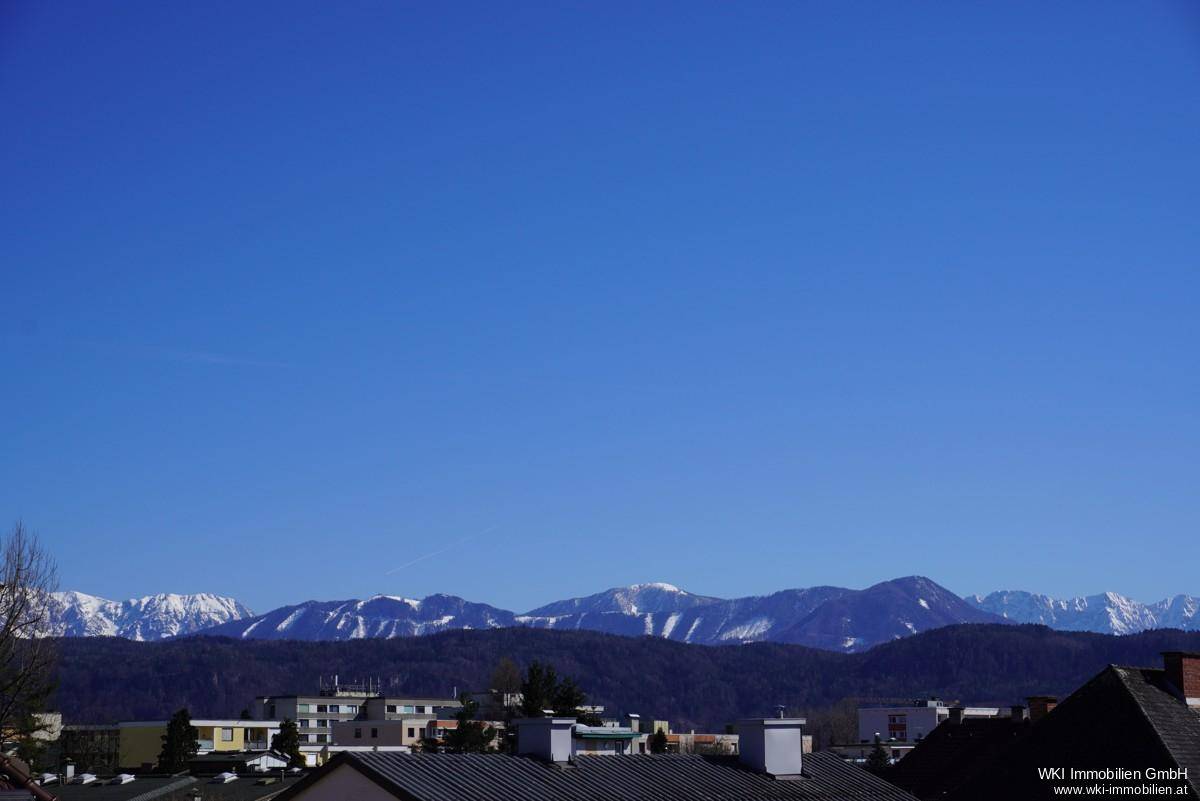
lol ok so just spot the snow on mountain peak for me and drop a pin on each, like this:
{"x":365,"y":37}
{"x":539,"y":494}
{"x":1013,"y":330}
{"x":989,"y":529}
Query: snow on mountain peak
{"x":1107,"y":613}
{"x":656,"y":585}
{"x":151,"y":617}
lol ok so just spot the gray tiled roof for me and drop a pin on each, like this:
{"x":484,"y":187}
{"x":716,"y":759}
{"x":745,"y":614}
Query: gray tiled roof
{"x":500,"y":777}
{"x":1176,"y":724}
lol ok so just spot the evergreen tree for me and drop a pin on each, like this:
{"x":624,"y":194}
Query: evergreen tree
{"x":538,"y":690}
{"x":542,"y":690}
{"x":469,"y":736}
{"x":658,"y":742}
{"x":179,"y":743}
{"x":878,"y":760}
{"x":287,"y":743}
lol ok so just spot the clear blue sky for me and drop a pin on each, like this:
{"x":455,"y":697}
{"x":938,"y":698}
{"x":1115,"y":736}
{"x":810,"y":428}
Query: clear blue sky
{"x":740,"y":296}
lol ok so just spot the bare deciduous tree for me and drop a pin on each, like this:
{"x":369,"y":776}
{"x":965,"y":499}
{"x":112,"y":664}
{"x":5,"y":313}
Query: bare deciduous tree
{"x":27,"y":655}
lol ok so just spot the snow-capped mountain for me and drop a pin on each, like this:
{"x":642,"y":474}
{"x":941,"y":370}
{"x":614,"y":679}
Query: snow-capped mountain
{"x":383,"y":616}
{"x":663,"y":610}
{"x":833,"y":618}
{"x":153,"y":617}
{"x":1107,"y":613}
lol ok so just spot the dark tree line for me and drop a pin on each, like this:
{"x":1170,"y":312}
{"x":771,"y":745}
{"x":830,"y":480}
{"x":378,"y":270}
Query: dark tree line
{"x":703,"y":687}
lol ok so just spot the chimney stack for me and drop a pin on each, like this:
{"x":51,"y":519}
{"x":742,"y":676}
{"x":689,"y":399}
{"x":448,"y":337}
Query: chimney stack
{"x":1183,"y":671}
{"x":956,"y":715}
{"x":1018,"y":712}
{"x":1040,"y":706}
{"x":547,"y":739}
{"x":774,"y":746}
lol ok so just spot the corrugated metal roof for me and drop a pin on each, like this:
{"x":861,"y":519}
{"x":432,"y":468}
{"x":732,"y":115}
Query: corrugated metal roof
{"x":657,"y":777}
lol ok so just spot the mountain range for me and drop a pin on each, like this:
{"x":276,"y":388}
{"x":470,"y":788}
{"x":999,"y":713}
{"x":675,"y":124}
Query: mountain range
{"x":830,"y":618}
{"x":1107,"y":613}
{"x":153,"y":617}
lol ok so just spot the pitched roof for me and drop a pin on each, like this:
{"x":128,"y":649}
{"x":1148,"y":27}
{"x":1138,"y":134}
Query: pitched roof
{"x":954,"y":754}
{"x":502,"y":777}
{"x":1123,"y":717}
{"x":1175,"y":723}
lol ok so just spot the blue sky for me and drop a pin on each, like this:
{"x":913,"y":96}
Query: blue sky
{"x":520,"y":301}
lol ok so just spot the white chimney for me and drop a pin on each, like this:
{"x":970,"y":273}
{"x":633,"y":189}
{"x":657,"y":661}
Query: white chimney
{"x":774,"y":746}
{"x":548,"y":739}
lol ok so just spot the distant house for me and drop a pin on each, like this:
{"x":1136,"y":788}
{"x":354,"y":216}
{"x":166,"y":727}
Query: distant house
{"x":771,"y":767}
{"x":1134,"y":727}
{"x":336,"y":703}
{"x":911,"y":723}
{"x":141,"y":741}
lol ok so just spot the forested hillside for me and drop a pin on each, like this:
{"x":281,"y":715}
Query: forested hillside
{"x":107,"y":679}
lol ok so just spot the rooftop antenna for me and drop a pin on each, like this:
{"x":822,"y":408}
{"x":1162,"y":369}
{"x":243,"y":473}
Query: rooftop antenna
{"x":779,"y":708}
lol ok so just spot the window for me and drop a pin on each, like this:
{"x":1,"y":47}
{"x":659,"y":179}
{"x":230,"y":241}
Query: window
{"x":299,"y":708}
{"x":227,"y":735}
{"x":322,"y":738}
{"x":391,"y":708}
{"x":411,"y":732}
{"x":408,"y":708}
{"x":333,"y":708}
{"x":351,"y":708}
{"x":374,"y":733}
{"x":304,"y":723}
{"x":322,"y":724}
{"x":321,"y":708}
{"x":358,"y":734}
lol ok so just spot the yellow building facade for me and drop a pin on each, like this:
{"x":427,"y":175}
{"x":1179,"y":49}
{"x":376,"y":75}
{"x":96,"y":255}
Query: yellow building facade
{"x":141,"y":741}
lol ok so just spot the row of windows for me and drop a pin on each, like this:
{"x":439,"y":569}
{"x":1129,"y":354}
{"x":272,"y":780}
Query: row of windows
{"x":394,"y":709}
{"x":332,"y":709}
{"x":318,"y":738}
{"x":358,"y":733}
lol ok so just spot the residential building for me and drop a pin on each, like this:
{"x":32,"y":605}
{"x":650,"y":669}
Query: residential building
{"x":912,"y":722}
{"x":406,"y":732}
{"x":437,"y":729}
{"x":693,"y":743}
{"x":603,"y":740}
{"x":1137,"y":729}
{"x":335,"y":702}
{"x":141,"y":741}
{"x":771,"y":767}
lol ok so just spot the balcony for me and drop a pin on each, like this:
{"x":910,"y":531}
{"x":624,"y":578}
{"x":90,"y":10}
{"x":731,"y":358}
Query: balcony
{"x":256,"y":745}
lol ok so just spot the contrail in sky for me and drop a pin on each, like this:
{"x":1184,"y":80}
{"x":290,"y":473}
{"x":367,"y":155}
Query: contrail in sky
{"x":431,"y":554}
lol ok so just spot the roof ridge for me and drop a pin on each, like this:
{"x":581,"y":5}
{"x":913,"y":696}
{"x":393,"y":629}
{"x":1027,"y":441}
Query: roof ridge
{"x":1158,"y":733}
